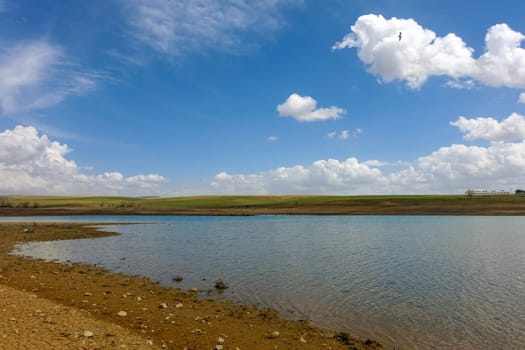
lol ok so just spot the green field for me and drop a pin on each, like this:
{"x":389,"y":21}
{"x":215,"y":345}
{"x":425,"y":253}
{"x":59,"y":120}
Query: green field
{"x":212,"y":201}
{"x":253,"y":205}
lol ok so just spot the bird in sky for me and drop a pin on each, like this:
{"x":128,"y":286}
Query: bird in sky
{"x":400,"y":36}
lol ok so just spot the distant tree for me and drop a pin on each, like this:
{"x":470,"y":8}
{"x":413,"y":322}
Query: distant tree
{"x":520,"y":192}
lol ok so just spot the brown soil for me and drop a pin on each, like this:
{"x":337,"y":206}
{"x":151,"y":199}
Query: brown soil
{"x":49,"y":305}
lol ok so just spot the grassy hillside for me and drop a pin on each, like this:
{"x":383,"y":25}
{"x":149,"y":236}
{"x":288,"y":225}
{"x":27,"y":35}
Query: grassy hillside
{"x":252,"y":205}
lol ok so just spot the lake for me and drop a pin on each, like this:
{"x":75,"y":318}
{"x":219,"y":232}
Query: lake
{"x":413,"y":282}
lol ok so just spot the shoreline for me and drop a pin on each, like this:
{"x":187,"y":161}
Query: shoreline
{"x":166,"y":317}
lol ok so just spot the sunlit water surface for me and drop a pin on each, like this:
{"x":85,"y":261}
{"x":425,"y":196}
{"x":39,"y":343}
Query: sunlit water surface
{"x":409,"y":282}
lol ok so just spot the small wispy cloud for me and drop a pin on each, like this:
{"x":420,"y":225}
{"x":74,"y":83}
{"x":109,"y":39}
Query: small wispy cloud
{"x":272,"y":138}
{"x":345,"y":134}
{"x":304,"y":109}
{"x":177,"y":27}
{"x":37,"y":74}
{"x":521,"y":99}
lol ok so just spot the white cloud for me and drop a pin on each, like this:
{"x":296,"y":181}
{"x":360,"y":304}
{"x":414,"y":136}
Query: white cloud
{"x":511,"y":128}
{"x":304,"y":109}
{"x":272,"y":138}
{"x":420,"y":54}
{"x":36,"y":74}
{"x":451,"y":169}
{"x":345,"y":134}
{"x":176,"y":27}
{"x":32,"y":164}
{"x":323,"y":176}
{"x":521,"y":99}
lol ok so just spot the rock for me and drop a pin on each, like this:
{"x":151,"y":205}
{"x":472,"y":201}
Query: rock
{"x":122,"y":313}
{"x":163,"y":306}
{"x":139,"y":299}
{"x":302,"y":340}
{"x":88,"y":334}
{"x":177,"y":278}
{"x":218,"y":347}
{"x":197,"y":331}
{"x":220,"y":284}
{"x":220,"y":340}
{"x":87,"y":294}
{"x":274,"y":335}
{"x":196,"y":290}
{"x":179,"y":306}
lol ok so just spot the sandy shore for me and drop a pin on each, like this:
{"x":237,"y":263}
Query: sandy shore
{"x":49,"y":305}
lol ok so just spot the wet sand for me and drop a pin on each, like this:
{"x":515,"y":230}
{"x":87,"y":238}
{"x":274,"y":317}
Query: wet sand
{"x":50,"y":305}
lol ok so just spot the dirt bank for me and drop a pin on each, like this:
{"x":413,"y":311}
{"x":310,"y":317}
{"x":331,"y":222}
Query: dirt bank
{"x":128,"y":311}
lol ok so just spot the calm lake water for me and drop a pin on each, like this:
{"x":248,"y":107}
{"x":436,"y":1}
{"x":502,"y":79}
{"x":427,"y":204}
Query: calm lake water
{"x":411,"y":282}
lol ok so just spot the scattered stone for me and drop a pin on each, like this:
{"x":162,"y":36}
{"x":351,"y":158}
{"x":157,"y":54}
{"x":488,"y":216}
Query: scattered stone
{"x":302,"y":340}
{"x":177,"y":278}
{"x":220,"y":284}
{"x":88,"y":334}
{"x":218,"y":347}
{"x":220,"y":340}
{"x":139,"y":299}
{"x":87,"y":294}
{"x":179,"y":306}
{"x":122,"y":313}
{"x":274,"y":335}
{"x":197,"y":331}
{"x":163,"y":306}
{"x":196,"y":290}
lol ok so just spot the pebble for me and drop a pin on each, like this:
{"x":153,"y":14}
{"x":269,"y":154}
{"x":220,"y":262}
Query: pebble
{"x":220,"y":284}
{"x":218,"y":347}
{"x":88,"y":334}
{"x":87,"y":294}
{"x":274,"y":335}
{"x":122,"y":313}
{"x":220,"y":340}
{"x":163,"y":306}
{"x":197,"y":331}
{"x":179,"y":306}
{"x":302,"y":340}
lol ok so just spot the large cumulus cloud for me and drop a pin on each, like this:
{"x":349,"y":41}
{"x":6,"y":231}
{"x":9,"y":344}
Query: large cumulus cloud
{"x":450,"y":169}
{"x":402,"y":49}
{"x":30,"y":163}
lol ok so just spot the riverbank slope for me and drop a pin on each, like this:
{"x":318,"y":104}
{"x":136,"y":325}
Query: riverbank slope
{"x":136,"y":312}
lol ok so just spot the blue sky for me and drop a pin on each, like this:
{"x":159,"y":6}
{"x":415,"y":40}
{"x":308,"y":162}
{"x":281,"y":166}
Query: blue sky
{"x":193,"y":97}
